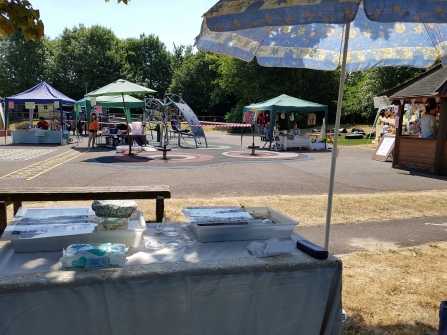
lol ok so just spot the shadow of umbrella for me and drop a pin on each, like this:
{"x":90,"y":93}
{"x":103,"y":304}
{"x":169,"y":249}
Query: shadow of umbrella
{"x":326,"y":34}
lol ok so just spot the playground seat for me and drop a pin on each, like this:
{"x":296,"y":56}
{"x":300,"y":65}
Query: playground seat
{"x":177,"y":130}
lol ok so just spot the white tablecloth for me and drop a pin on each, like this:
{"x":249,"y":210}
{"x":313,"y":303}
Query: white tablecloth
{"x":24,"y":136}
{"x":209,"y":288}
{"x":297,"y":142}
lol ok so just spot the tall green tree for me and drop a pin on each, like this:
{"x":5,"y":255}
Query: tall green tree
{"x":362,"y":87}
{"x":252,"y":83}
{"x":148,"y":63}
{"x":93,"y":55}
{"x":196,"y":80}
{"x":179,"y":55}
{"x":23,"y":64}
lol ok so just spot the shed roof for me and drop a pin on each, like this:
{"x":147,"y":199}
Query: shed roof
{"x":428,"y":85}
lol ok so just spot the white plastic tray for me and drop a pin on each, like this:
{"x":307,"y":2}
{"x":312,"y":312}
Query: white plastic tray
{"x":282,"y":226}
{"x":53,"y":229}
{"x":125,"y":148}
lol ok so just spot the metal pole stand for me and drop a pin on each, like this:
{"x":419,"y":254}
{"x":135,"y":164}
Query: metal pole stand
{"x":253,"y":147}
{"x":164,"y":149}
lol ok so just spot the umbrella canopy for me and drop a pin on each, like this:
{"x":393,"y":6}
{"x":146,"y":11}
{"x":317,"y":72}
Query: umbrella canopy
{"x":320,"y":46}
{"x":317,"y":34}
{"x":122,"y":87}
{"x":229,"y":15}
{"x":113,"y":101}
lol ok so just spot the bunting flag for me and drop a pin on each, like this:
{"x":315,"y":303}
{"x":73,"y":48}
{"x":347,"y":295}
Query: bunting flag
{"x":225,"y":124}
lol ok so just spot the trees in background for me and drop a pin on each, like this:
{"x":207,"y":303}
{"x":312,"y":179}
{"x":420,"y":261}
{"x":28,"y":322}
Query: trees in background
{"x":22,"y":64}
{"x":148,"y":63}
{"x":196,"y":80}
{"x":94,"y":55}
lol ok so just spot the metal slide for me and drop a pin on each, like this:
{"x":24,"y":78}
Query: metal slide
{"x":193,"y":121}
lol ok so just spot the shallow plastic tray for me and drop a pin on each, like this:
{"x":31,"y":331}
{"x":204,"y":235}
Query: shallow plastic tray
{"x":125,"y":148}
{"x":282,"y":227}
{"x":53,"y":229}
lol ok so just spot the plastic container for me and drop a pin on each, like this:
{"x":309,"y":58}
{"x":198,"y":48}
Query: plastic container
{"x":125,"y":148}
{"x":53,"y":229}
{"x":94,"y":255}
{"x":282,"y":226}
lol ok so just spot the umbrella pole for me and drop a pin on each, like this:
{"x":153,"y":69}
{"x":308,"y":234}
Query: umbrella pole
{"x":129,"y":137}
{"x":337,"y":127}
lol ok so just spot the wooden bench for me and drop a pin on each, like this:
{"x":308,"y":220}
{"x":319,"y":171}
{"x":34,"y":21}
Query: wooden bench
{"x":17,"y":195}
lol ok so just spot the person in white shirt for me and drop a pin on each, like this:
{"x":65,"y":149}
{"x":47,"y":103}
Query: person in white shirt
{"x":386,"y":127}
{"x":295,"y":130}
{"x":427,"y":124}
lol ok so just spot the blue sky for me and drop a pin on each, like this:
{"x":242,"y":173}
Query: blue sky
{"x":173,"y":21}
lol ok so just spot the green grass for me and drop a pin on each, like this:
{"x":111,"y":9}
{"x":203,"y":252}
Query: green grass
{"x":343,"y":141}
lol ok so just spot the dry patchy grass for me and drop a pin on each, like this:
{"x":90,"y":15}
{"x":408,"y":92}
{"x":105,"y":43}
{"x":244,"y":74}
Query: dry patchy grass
{"x":307,"y":210}
{"x":394,"y":292}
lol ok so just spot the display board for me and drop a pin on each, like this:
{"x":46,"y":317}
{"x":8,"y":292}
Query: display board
{"x":385,"y":148}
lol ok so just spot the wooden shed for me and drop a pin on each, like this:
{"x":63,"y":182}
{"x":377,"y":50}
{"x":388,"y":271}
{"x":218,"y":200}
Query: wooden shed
{"x":410,"y":151}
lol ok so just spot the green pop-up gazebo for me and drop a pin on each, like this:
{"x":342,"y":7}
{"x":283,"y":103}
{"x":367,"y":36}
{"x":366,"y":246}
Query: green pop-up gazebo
{"x":286,"y":103}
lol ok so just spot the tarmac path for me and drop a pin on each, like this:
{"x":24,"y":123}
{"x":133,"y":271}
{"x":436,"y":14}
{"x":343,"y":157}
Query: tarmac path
{"x":227,"y":169}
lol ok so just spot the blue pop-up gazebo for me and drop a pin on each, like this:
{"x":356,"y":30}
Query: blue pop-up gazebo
{"x":41,"y":94}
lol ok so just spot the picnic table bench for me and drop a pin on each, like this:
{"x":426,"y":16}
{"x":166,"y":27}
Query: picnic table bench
{"x":17,"y":195}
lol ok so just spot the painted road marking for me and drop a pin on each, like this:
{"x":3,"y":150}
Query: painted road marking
{"x":22,"y":154}
{"x":39,"y":168}
{"x":436,"y":224}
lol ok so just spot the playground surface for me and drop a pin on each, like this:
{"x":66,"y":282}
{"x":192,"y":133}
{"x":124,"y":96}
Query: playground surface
{"x":226,"y":168}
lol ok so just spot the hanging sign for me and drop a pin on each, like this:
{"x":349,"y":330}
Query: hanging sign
{"x":385,"y":148}
{"x":11,"y":104}
{"x":93,"y":101}
{"x":381,"y":102}
{"x":99,"y":109}
{"x":56,"y":104}
{"x":30,"y":105}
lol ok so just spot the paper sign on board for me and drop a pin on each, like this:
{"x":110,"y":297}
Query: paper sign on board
{"x":56,"y":104}
{"x":30,"y":105}
{"x":381,"y":102}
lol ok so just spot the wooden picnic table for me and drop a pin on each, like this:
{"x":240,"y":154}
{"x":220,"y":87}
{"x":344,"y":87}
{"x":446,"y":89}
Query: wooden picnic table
{"x":17,"y":195}
{"x":328,"y":135}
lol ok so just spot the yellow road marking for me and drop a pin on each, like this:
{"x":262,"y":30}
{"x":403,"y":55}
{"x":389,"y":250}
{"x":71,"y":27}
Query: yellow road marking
{"x":36,"y":169}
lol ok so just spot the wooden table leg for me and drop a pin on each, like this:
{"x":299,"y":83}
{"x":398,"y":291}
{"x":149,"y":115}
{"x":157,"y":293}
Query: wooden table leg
{"x":159,"y":208}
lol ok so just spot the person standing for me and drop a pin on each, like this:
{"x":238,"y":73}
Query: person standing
{"x":93,"y":130}
{"x":427,"y":124}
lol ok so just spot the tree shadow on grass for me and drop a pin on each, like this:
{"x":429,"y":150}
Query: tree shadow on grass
{"x":355,"y":325}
